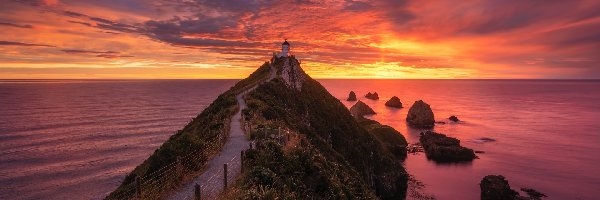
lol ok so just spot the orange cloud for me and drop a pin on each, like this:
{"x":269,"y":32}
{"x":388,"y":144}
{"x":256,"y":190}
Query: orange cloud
{"x":334,"y":39}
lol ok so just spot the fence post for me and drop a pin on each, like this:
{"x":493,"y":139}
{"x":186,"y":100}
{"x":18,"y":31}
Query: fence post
{"x":197,"y":191}
{"x":242,"y":161}
{"x":138,"y":187}
{"x":224,"y":176}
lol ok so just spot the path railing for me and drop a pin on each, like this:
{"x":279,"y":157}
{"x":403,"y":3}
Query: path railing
{"x":152,"y":185}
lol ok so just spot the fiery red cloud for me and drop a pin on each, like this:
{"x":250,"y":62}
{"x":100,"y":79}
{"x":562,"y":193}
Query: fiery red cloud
{"x":334,"y":39}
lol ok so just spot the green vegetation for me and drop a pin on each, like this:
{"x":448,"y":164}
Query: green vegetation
{"x":202,"y":137}
{"x":330,"y":155}
{"x":391,"y":139}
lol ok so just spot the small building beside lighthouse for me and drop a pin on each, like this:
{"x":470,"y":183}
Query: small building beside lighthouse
{"x":285,"y":49}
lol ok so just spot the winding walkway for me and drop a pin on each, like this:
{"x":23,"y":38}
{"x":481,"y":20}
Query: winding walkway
{"x":211,"y":180}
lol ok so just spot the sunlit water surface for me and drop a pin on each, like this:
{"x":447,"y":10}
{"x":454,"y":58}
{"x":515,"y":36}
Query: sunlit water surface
{"x":78,"y":139}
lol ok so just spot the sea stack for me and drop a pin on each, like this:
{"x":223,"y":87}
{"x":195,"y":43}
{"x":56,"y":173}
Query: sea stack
{"x":453,"y":118}
{"x":351,"y":96}
{"x":394,"y":102}
{"x":442,"y":148}
{"x":372,"y":96}
{"x":360,"y":109}
{"x":495,"y":187}
{"x":420,"y":115}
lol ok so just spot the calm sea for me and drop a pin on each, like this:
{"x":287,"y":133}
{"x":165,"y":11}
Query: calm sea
{"x":72,"y":139}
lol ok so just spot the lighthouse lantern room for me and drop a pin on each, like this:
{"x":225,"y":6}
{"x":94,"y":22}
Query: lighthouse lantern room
{"x":285,"y":49}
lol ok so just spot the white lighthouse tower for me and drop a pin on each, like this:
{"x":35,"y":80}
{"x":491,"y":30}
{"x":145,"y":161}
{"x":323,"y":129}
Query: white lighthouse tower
{"x":285,"y":49}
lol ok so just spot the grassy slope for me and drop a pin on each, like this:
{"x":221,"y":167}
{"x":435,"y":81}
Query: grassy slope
{"x":391,"y":139}
{"x":336,"y":158}
{"x":206,"y":132}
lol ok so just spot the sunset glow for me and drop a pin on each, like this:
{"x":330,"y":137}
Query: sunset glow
{"x":171,"y":39}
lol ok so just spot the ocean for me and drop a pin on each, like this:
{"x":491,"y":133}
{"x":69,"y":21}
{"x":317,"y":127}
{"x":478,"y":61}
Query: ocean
{"x":77,"y":139}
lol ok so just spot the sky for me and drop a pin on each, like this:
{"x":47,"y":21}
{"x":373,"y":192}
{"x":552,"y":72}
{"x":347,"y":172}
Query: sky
{"x":228,"y":39}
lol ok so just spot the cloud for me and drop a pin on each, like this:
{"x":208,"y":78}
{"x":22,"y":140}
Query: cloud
{"x":39,"y":2}
{"x":357,"y":5}
{"x":15,"y":25}
{"x":495,"y":38}
{"x":101,"y":23}
{"x":8,"y":43}
{"x":102,"y":54}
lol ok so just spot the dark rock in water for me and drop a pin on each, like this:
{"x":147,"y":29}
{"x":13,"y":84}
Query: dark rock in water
{"x":360,"y":108}
{"x":351,"y":96}
{"x":394,"y":102}
{"x":442,"y":148}
{"x":453,"y":118}
{"x":420,"y":115}
{"x":479,"y":151}
{"x":495,"y":187}
{"x":533,"y":194}
{"x":484,"y":139}
{"x":372,"y":96}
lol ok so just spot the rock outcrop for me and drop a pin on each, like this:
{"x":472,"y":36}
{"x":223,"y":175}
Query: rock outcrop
{"x":495,"y":187}
{"x":442,"y":148}
{"x":394,"y":102}
{"x":290,"y":71}
{"x":351,"y":96}
{"x":453,"y":118}
{"x":360,"y":109}
{"x":420,"y":115}
{"x":533,"y":194}
{"x":372,"y":96}
{"x":390,"y":138}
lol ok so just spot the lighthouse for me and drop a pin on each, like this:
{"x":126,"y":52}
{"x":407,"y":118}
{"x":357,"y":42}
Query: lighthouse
{"x":285,"y":49}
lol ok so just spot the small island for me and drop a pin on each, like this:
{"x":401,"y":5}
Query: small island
{"x":394,"y":102}
{"x":361,"y":108}
{"x":420,"y":115}
{"x":441,"y":148}
{"x":372,"y":96}
{"x":496,"y":187}
{"x":351,"y":96}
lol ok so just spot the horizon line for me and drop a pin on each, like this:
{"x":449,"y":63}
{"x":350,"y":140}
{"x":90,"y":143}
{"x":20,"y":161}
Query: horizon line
{"x":116,"y":79}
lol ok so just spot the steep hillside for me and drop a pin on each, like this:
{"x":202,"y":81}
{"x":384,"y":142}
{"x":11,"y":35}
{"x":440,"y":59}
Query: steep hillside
{"x":328,"y":154}
{"x":200,"y":139}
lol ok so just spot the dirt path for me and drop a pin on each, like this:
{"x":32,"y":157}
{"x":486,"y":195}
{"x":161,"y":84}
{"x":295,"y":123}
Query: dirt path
{"x":211,"y":180}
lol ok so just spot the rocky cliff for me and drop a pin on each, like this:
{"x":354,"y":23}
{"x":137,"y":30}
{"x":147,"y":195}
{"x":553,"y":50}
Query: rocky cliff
{"x":288,"y":68}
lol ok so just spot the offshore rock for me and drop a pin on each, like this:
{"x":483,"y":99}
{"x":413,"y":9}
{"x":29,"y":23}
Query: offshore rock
{"x":495,"y":187}
{"x":394,"y":102}
{"x":351,"y":96}
{"x":360,"y":109}
{"x":442,"y":148}
{"x":533,"y":194}
{"x":372,"y":96}
{"x":453,"y":118}
{"x":420,"y":115}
